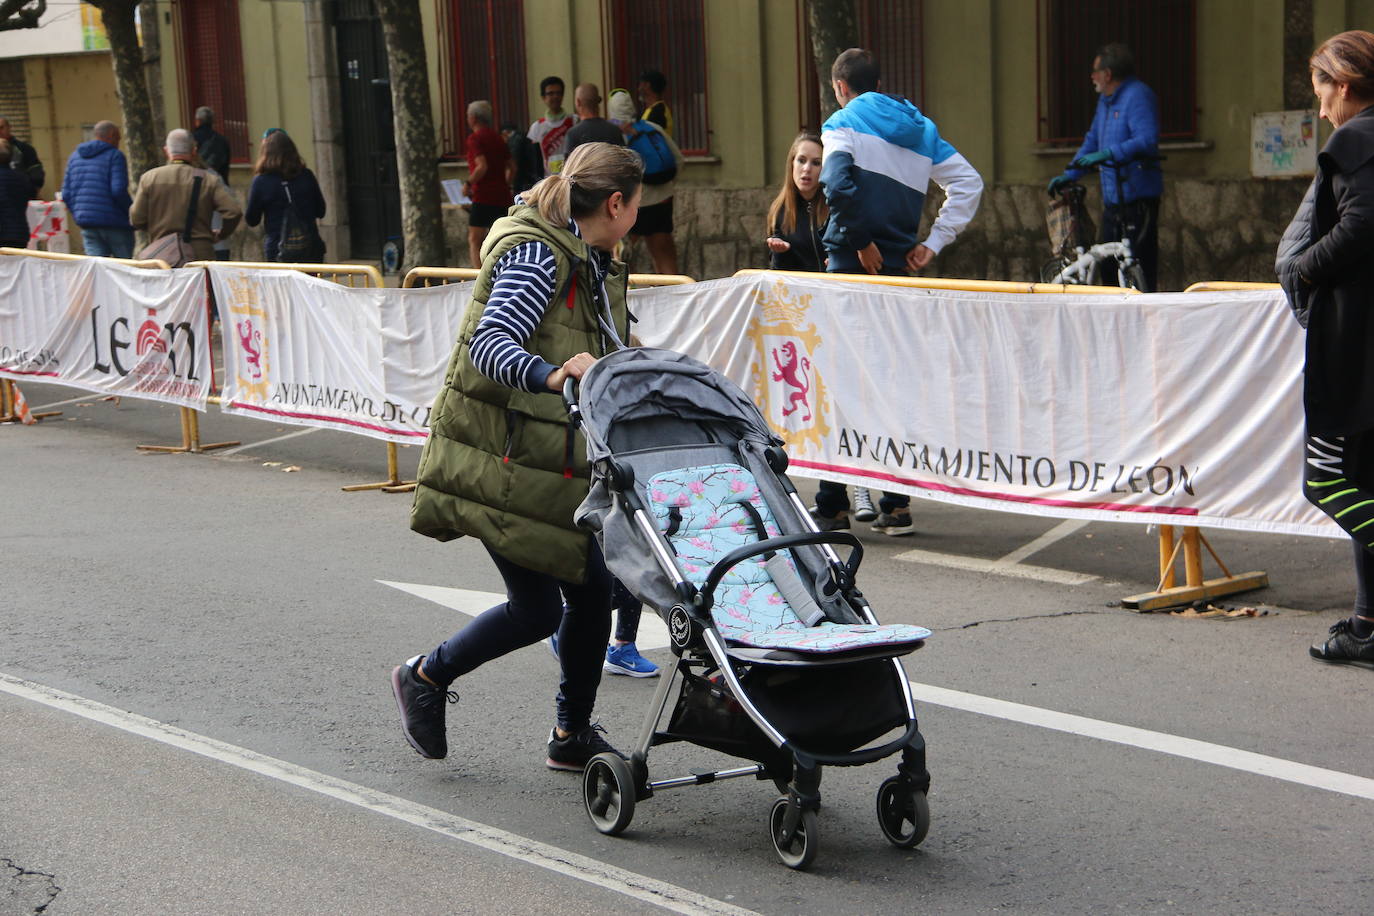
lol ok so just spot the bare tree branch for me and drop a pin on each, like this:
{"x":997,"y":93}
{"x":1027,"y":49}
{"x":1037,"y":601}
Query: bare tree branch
{"x":21,"y":14}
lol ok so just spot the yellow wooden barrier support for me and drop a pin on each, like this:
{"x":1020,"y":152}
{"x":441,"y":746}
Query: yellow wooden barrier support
{"x":1208,"y":286}
{"x":968,"y":286}
{"x":9,"y":410}
{"x":1194,"y":588}
{"x":1190,"y":540}
{"x":355,"y":276}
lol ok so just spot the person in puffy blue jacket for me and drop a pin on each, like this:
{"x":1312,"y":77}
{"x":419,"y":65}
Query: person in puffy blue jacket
{"x":1123,"y":143}
{"x":95,"y":189}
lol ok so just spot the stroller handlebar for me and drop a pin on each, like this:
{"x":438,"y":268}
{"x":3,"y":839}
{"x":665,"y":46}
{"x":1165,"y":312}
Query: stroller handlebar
{"x":570,"y":399}
{"x":706,"y":594}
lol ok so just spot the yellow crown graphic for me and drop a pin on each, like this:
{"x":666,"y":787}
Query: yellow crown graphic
{"x":243,"y":290}
{"x":779,"y":307}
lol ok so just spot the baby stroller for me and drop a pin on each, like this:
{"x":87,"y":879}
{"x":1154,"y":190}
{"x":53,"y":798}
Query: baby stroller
{"x":780,"y":661}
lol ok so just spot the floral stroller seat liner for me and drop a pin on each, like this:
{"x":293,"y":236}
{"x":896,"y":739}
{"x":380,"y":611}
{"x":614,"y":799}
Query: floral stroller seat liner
{"x":706,"y":512}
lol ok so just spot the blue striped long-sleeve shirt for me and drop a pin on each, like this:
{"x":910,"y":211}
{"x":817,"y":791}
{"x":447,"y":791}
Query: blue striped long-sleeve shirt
{"x":523,"y":286}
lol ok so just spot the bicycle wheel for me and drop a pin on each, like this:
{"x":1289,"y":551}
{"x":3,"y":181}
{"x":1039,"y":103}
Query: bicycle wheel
{"x":1132,"y":277}
{"x":1051,"y":269}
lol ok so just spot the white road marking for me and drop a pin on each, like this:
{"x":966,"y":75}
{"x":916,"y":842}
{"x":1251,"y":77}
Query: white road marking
{"x":653,"y":633}
{"x":243,"y":448}
{"x":1189,"y":748}
{"x":472,"y":602}
{"x":1055,"y":534}
{"x":641,"y":887}
{"x":999,"y":567}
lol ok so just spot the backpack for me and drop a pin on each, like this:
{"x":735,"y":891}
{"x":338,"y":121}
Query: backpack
{"x":299,"y":241}
{"x":660,"y":165}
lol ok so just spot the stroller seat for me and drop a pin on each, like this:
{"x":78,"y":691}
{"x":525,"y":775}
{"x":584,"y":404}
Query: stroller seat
{"x":762,"y":603}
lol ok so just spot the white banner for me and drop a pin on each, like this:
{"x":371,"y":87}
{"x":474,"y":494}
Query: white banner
{"x":106,"y":327}
{"x":1171,"y":408}
{"x":298,"y":349}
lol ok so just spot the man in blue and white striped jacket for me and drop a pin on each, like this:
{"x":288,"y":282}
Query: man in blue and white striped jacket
{"x":879,"y":156}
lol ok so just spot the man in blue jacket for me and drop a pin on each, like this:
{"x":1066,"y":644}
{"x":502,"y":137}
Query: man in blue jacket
{"x":95,"y":189}
{"x":1123,"y":142}
{"x":879,"y":154}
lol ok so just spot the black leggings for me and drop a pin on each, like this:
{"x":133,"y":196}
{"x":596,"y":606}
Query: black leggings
{"x":533,"y":610}
{"x":1336,"y":476}
{"x":627,"y":611}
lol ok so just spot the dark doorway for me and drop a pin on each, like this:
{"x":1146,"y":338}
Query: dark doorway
{"x":374,"y":191}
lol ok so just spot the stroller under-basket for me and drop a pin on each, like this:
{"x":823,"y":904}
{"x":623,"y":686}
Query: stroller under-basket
{"x":780,"y":660}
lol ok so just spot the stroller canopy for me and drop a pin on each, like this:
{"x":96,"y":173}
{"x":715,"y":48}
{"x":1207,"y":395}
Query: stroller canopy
{"x":646,"y":383}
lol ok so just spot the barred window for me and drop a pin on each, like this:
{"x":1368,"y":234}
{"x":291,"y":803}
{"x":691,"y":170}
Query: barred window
{"x":668,"y":36}
{"x":483,"y":57}
{"x":210,"y":55}
{"x":1162,"y":35}
{"x":892,"y":30}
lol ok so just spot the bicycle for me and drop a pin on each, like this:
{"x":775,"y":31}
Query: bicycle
{"x":1075,"y":263}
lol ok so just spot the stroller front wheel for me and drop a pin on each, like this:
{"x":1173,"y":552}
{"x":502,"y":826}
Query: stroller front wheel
{"x":608,"y":791}
{"x":800,"y":849}
{"x":903,"y":812}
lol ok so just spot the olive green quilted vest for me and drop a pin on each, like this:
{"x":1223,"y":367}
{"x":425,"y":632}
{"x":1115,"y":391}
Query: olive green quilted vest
{"x":504,"y":465}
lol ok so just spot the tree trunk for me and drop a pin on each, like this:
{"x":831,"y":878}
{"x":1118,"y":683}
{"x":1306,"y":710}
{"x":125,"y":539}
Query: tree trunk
{"x":1298,"y":45}
{"x":834,"y":28}
{"x":152,"y":64}
{"x":140,"y":143}
{"x":417,"y":164}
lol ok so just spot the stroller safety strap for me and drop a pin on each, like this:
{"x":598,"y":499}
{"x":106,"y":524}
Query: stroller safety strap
{"x":706,"y":512}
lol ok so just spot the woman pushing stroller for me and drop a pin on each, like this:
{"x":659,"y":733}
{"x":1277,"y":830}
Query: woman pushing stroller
{"x":504,"y":464}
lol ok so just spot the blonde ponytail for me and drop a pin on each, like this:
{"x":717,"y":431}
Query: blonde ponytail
{"x":591,"y":174}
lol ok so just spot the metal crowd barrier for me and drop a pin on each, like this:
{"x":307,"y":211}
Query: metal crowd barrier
{"x":1190,"y":540}
{"x":438,"y":276}
{"x":1209,"y":286}
{"x":9,"y":410}
{"x":151,"y":264}
{"x":967,"y":286}
{"x":354,"y":276}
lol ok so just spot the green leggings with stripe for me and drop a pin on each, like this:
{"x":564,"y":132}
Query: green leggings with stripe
{"x":1336,"y":479}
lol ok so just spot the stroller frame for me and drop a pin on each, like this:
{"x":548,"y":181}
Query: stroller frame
{"x":613,"y":785}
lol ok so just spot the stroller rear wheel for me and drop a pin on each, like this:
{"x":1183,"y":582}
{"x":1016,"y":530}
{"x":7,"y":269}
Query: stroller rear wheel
{"x":903,"y":812}
{"x":608,"y":790}
{"x":800,"y":850}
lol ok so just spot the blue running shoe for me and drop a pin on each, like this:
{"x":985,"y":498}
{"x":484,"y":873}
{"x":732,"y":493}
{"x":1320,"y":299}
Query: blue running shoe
{"x":626,"y":660}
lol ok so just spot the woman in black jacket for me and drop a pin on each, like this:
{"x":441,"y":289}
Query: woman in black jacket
{"x":1333,"y":278}
{"x":281,"y":180}
{"x":798,"y":214}
{"x":15,"y":189}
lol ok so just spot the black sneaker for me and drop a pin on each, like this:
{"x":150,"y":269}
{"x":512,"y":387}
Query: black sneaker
{"x":573,"y":752}
{"x":422,"y":709}
{"x":1344,"y":646}
{"x":894,"y":524}
{"x":837,"y":522}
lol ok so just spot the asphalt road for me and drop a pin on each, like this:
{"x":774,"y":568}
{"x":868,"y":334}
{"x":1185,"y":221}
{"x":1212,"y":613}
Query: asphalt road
{"x":194,"y":661}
